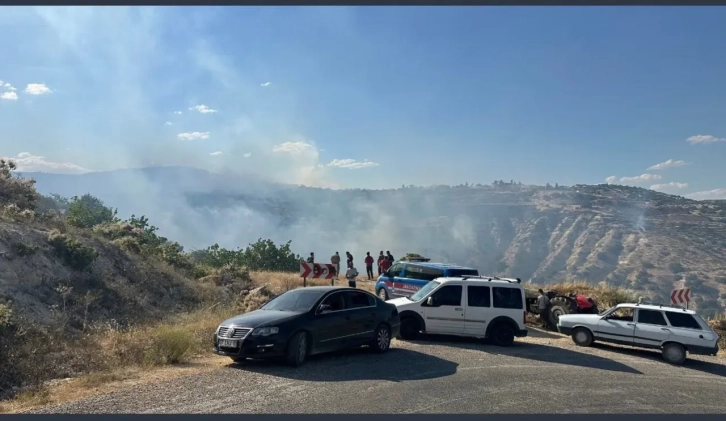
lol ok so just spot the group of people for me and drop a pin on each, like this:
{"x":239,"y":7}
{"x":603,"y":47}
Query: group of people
{"x":384,"y":262}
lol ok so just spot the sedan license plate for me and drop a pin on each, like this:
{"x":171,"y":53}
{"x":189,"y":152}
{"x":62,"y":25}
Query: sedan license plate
{"x":229,"y":343}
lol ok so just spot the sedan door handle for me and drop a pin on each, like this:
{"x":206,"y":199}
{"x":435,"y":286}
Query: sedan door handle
{"x":459,"y":309}
{"x":631,"y":324}
{"x":666,"y":329}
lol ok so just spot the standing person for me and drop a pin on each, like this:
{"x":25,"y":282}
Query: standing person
{"x":311,"y":259}
{"x":369,"y":265}
{"x":385,"y":265}
{"x":381,"y":258}
{"x":351,"y":274}
{"x":389,"y":256}
{"x":335,"y":260}
{"x":543,"y":306}
{"x":350,"y":259}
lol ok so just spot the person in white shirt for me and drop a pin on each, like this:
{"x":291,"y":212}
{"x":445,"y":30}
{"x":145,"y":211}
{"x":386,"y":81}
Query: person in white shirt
{"x":351,"y":275}
{"x":543,"y":305}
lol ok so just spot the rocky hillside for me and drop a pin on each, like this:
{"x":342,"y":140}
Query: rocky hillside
{"x":627,"y":236}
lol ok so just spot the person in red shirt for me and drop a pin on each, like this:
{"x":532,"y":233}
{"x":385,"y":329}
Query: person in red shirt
{"x":369,"y":265}
{"x":385,"y":265}
{"x":381,"y":258}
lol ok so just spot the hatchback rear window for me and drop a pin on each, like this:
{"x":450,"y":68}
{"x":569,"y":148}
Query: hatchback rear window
{"x":683,"y":320}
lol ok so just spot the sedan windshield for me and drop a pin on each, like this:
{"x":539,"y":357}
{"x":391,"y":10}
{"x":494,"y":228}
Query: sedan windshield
{"x":297,"y":300}
{"x":424,"y":291}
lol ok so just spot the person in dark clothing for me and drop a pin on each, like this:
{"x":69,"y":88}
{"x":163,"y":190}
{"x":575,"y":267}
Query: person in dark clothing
{"x":350,"y":259}
{"x":311,"y":259}
{"x":385,"y":265}
{"x":369,"y":265}
{"x":335,"y":260}
{"x":389,"y":256}
{"x":543,"y":306}
{"x":381,"y":258}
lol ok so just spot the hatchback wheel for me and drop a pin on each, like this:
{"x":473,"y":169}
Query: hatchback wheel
{"x":382,"y":339}
{"x":582,"y":337}
{"x":674,"y":353}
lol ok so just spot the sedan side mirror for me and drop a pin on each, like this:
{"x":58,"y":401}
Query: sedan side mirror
{"x":430,"y":301}
{"x":324,"y":308}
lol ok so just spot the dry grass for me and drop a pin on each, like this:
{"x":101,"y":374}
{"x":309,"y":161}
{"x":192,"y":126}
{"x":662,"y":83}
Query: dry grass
{"x":279,"y":282}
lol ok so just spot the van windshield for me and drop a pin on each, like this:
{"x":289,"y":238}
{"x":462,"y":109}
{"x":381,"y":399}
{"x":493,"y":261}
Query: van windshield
{"x":424,"y":291}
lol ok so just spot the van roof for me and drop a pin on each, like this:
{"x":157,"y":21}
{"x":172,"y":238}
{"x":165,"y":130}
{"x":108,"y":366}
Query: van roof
{"x":483,"y":279}
{"x":437,"y":265}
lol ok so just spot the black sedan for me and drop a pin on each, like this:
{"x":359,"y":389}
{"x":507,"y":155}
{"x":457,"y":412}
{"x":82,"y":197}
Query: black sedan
{"x":308,"y":321}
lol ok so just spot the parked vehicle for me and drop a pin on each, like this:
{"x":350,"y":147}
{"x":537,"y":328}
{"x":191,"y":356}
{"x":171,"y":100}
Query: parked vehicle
{"x":474,"y":306}
{"x":561,"y":304}
{"x":673,"y":330}
{"x":308,"y":321}
{"x":406,"y":277}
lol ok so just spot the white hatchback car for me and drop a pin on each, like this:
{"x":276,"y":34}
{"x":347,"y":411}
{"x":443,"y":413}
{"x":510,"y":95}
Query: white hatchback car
{"x":474,"y":306}
{"x":673,"y":330}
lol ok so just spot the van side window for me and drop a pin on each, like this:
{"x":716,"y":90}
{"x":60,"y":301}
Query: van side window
{"x":510,"y":298}
{"x":422,"y":273}
{"x":651,"y":317}
{"x":396,"y":269}
{"x":683,"y":320}
{"x":449,"y":295}
{"x":478,"y":296}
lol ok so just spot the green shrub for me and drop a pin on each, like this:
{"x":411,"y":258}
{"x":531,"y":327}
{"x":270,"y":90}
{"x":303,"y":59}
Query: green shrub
{"x":88,"y":211}
{"x":22,"y":250}
{"x":73,"y":253}
{"x":171,"y":345}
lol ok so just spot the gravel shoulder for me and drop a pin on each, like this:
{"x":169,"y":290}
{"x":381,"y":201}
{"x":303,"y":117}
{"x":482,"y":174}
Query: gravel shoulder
{"x":542,"y":373}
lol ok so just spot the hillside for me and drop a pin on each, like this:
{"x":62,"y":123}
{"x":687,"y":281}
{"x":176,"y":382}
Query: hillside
{"x":630,"y":237}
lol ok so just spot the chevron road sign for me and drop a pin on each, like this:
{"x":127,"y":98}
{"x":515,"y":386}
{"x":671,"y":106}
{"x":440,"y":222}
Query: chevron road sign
{"x":681,"y":296}
{"x":316,"y":271}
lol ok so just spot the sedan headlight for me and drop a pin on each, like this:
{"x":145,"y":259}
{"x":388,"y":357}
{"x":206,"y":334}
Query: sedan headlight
{"x":265,"y":331}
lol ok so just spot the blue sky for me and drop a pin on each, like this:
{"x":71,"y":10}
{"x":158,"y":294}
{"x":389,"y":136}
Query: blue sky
{"x":372,"y":97}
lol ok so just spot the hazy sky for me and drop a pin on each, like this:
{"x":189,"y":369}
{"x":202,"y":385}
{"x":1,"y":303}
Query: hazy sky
{"x":374,"y":96}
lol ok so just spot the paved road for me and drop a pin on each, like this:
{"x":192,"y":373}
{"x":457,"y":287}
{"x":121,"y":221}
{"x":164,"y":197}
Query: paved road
{"x":439,"y":375}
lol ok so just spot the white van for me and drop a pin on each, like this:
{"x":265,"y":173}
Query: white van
{"x":475,"y":306}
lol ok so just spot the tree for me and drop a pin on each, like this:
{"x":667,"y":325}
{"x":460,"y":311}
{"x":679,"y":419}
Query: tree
{"x":89,"y":211}
{"x":15,"y":190}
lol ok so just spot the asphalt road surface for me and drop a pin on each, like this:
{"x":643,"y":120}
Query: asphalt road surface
{"x":439,"y":375}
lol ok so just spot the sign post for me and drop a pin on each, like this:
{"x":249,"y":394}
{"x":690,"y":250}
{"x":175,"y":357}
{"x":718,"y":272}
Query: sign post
{"x":681,"y":296}
{"x":317,"y":271}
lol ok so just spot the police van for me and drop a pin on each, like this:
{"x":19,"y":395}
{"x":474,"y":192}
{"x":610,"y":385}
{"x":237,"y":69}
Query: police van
{"x":405,"y":278}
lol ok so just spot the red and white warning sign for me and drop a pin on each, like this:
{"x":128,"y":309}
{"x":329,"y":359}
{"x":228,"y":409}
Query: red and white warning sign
{"x":317,"y":270}
{"x":681,"y":296}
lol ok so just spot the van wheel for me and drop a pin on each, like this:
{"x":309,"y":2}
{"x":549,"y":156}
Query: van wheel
{"x":674,"y":353}
{"x":582,"y":337}
{"x":410,"y":328}
{"x":382,"y":294}
{"x":503,"y":335}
